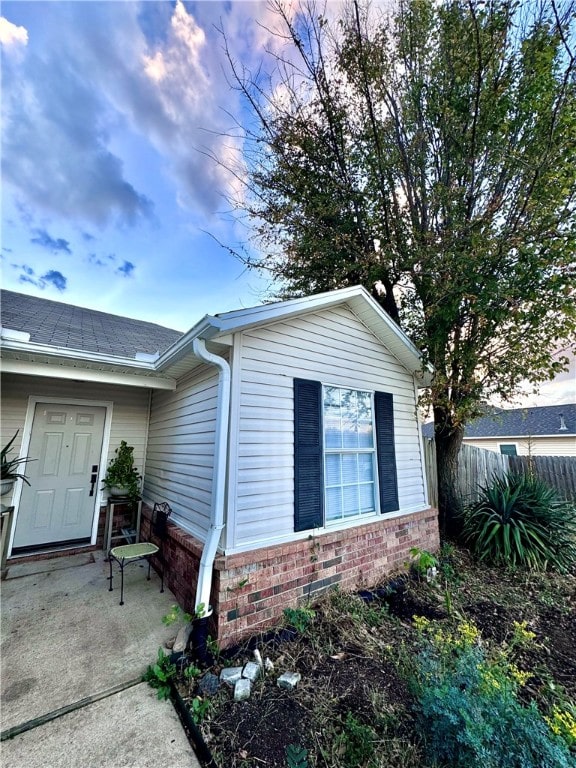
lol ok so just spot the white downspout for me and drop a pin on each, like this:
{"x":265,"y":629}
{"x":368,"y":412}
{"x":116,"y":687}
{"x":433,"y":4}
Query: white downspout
{"x":219,"y":479}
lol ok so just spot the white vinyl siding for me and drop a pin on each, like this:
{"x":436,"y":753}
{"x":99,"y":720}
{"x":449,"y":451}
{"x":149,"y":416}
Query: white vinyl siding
{"x":129,"y":412}
{"x":331,"y":346}
{"x":180,"y":459}
{"x":564,"y":445}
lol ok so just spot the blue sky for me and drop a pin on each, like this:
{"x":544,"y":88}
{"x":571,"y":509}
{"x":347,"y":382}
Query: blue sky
{"x":111,"y":111}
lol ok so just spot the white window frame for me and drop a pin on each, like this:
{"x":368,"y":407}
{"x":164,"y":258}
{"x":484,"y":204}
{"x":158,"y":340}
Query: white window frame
{"x":350,"y":519}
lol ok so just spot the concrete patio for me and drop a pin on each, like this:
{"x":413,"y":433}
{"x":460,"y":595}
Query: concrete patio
{"x":72,"y":660}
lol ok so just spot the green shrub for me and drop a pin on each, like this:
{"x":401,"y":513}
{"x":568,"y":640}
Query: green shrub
{"x":468,"y":709}
{"x":521,"y":521}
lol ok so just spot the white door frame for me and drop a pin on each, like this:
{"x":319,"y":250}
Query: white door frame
{"x":33,"y":400}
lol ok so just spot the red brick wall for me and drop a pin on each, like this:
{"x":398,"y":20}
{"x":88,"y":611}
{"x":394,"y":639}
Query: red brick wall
{"x":251,"y":589}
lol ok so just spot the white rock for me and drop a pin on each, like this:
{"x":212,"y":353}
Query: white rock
{"x":431,"y":574}
{"x":258,"y":657}
{"x":268,"y":664}
{"x":251,"y":671}
{"x":289,"y":680}
{"x":242,"y":689}
{"x":231,"y":675}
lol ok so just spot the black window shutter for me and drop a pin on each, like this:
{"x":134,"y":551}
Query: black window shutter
{"x":386,"y":452}
{"x":308,"y":455}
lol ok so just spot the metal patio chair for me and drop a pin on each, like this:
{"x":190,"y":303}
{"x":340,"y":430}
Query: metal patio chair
{"x":144,"y":550}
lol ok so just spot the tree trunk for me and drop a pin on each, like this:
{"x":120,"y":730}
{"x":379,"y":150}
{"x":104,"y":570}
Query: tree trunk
{"x":448,"y":439}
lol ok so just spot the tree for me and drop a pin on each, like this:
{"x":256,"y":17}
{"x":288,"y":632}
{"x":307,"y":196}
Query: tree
{"x":429,"y":155}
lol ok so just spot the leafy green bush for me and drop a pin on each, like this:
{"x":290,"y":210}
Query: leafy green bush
{"x":468,"y":708}
{"x":521,"y":521}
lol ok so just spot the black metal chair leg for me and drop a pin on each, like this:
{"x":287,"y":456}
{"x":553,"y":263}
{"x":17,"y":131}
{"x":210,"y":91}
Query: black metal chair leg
{"x":122,"y":583}
{"x":110,"y":577}
{"x":148,"y":577}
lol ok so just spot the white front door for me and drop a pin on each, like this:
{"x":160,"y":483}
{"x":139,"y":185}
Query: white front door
{"x":58,"y":506}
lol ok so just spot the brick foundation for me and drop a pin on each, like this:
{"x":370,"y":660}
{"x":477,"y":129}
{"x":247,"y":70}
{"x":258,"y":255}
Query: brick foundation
{"x":251,"y":589}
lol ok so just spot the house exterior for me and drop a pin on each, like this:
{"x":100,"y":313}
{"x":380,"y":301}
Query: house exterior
{"x":284,"y":437}
{"x":548,"y":430}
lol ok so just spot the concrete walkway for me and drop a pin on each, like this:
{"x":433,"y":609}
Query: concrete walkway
{"x":72,"y":659}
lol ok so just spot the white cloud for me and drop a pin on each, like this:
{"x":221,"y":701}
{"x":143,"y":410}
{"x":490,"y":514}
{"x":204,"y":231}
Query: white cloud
{"x":99,"y":73}
{"x":56,"y":134}
{"x":11,"y":35}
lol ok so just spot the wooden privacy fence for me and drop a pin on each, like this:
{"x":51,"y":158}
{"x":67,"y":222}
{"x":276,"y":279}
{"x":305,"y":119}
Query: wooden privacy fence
{"x":477,"y":467}
{"x":557,"y":471}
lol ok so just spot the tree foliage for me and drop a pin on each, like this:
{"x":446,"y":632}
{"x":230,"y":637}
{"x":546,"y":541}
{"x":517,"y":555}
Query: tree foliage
{"x":430,"y":155}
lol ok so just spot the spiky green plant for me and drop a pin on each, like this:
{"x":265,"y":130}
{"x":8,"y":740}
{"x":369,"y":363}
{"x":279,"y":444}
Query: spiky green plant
{"x":521,"y":521}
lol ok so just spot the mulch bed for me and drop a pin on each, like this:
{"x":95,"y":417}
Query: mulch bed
{"x":351,"y":668}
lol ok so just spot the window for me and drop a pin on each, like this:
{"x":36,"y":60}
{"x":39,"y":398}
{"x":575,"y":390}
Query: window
{"x":344,"y":454}
{"x":349,"y":454}
{"x":508,"y":449}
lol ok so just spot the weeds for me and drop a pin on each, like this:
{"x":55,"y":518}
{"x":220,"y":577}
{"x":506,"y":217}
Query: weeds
{"x":299,"y":618}
{"x":296,"y":756}
{"x":160,"y":674}
{"x":199,"y":708}
{"x":471,"y":702}
{"x":356,"y":742}
{"x":192,"y":672}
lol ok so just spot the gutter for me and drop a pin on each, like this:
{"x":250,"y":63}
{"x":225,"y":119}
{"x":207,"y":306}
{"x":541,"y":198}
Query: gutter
{"x":74,"y":355}
{"x":204,"y":330}
{"x":219,"y":481}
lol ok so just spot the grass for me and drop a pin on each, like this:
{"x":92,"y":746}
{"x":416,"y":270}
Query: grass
{"x":357,"y":705}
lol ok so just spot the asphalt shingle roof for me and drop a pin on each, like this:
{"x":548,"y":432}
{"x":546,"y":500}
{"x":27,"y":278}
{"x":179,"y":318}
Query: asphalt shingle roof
{"x":64,"y":325}
{"x":521,"y":422}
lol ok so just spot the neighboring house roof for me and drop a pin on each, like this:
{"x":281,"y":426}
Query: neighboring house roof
{"x":549,"y":420}
{"x":71,"y":327}
{"x":48,"y":332}
{"x":546,"y":420}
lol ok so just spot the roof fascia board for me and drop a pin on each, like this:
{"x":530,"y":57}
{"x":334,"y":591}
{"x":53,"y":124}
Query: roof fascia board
{"x":243,"y":319}
{"x":64,"y":353}
{"x":205,"y":329}
{"x":49,"y":370}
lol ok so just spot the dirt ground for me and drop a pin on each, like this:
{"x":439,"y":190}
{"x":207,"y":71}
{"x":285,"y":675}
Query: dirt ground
{"x":352,"y":699}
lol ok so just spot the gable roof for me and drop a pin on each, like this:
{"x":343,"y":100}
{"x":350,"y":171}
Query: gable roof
{"x":357,"y":298}
{"x":46,"y":332}
{"x":64,"y":325}
{"x":538,"y":421}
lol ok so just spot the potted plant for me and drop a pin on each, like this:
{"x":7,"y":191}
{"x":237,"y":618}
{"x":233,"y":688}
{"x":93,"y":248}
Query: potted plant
{"x":11,"y":469}
{"x":122,"y":478}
